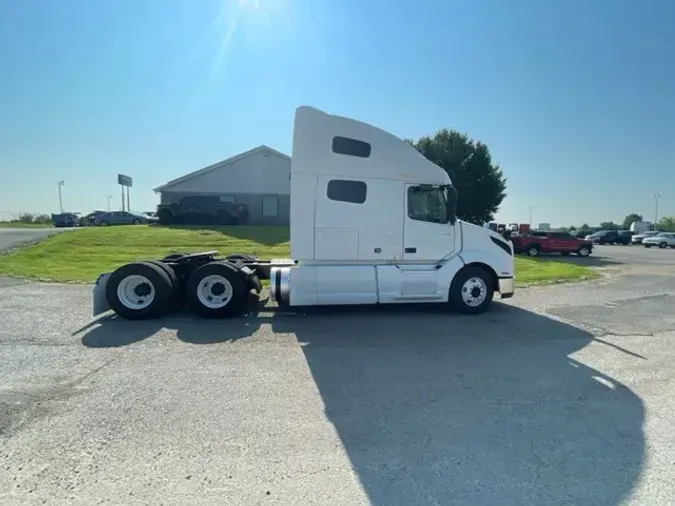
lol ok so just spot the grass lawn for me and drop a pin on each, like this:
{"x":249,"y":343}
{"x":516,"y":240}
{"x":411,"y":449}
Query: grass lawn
{"x":17,"y":224}
{"x":81,"y":255}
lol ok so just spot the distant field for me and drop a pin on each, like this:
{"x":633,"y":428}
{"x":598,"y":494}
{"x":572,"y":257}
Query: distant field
{"x":81,"y":255}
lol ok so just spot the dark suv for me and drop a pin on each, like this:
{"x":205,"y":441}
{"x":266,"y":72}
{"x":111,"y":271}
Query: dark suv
{"x":605,"y":237}
{"x":624,"y":237}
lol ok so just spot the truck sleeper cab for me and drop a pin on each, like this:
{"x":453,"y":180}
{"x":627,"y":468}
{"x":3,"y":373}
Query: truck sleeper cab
{"x":372,"y":222}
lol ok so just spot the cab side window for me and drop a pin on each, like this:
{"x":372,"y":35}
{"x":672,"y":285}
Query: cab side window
{"x":343,"y":190}
{"x":427,"y":203}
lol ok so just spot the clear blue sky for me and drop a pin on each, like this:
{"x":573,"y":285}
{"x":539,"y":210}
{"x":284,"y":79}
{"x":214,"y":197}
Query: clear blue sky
{"x":575,"y":98}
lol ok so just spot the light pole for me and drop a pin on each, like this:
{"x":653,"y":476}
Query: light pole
{"x":656,"y":197}
{"x":60,"y":197}
{"x":531,"y":216}
{"x":110,"y":197}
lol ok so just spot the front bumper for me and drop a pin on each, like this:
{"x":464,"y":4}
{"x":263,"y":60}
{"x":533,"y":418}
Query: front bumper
{"x":507,"y":287}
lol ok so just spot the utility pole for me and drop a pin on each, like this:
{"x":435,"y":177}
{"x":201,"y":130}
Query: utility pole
{"x":110,"y":197}
{"x":122,"y":197}
{"x":656,"y":197}
{"x":60,"y":197}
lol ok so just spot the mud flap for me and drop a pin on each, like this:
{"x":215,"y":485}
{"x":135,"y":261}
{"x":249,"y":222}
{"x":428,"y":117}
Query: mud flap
{"x":100,"y":303}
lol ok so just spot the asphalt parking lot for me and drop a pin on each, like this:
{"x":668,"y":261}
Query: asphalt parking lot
{"x":13,"y":237}
{"x":563,"y":395}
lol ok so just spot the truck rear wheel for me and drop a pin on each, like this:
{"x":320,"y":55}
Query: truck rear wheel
{"x":472,"y":290}
{"x":139,"y":290}
{"x":175,"y":283}
{"x":217,"y":290}
{"x":533,"y":250}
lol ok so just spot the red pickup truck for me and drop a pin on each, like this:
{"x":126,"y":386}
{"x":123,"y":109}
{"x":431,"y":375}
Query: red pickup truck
{"x":551,"y":242}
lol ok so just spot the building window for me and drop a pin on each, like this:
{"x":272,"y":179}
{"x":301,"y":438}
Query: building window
{"x":351,"y":147}
{"x":427,"y":203}
{"x":343,"y":190}
{"x":270,"y":206}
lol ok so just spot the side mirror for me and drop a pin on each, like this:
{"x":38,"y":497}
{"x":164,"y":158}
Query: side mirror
{"x":452,"y":205}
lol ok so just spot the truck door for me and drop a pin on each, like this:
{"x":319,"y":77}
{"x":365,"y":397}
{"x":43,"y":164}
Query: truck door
{"x":427,"y":235}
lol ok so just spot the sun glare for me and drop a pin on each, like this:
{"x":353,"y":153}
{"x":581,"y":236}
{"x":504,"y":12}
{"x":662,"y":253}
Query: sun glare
{"x":255,"y":20}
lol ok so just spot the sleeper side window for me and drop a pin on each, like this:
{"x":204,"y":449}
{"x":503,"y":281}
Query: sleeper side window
{"x":344,"y":190}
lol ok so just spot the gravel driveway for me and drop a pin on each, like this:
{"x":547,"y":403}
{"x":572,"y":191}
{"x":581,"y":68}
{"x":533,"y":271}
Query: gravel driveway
{"x":562,"y":396}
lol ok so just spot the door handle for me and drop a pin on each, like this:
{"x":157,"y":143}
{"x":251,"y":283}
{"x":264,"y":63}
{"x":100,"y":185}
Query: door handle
{"x":410,"y":250}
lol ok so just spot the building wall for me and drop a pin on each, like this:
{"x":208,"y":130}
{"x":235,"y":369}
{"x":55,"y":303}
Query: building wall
{"x":254,"y":174}
{"x":260,"y":182}
{"x":254,"y":202}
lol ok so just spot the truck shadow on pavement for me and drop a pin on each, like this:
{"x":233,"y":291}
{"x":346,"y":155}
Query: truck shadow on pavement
{"x":437,"y":408}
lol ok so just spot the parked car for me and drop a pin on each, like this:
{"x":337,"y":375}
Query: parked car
{"x":638,"y":238}
{"x":624,"y":237}
{"x":202,"y":210}
{"x":662,"y":240}
{"x":65,"y":219}
{"x":605,"y":237}
{"x":551,"y":242}
{"x":88,"y":219}
{"x":121,"y":218}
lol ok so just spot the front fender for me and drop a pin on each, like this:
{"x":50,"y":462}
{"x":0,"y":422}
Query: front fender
{"x":502,"y":264}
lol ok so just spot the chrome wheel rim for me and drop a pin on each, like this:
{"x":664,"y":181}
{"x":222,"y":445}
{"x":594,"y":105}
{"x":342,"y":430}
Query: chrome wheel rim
{"x":214,"y":291}
{"x":136,"y":292}
{"x":474,"y":292}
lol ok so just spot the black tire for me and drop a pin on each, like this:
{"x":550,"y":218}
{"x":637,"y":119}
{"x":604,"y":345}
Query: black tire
{"x":228,"y":273}
{"x":663,"y":245}
{"x":584,"y":251}
{"x":176,"y":292}
{"x":165,"y":217}
{"x":241,"y":256}
{"x":532,"y":250}
{"x":155,"y":276}
{"x":104,"y":223}
{"x":136,"y":222}
{"x":458,"y":288}
{"x":647,"y":245}
{"x":225,"y":218}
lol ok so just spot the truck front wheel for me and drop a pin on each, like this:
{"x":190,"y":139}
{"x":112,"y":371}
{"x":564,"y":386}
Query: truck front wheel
{"x":533,"y":250}
{"x":472,"y":290}
{"x":217,"y":290}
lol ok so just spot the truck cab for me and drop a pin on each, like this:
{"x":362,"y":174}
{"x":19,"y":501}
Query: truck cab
{"x":373,"y":221}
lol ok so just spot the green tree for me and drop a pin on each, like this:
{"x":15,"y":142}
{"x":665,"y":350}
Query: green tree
{"x":666,"y":224}
{"x":609,"y":225}
{"x":628,"y":220}
{"x":479,"y":182}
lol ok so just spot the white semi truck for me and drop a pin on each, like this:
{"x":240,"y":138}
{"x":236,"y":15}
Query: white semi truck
{"x":372,"y":222}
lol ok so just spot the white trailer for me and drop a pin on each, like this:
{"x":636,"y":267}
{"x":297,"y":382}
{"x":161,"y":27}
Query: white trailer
{"x":372,"y":222}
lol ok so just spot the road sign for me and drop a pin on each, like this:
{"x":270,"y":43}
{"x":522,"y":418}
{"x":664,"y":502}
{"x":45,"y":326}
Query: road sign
{"x":124,"y":180}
